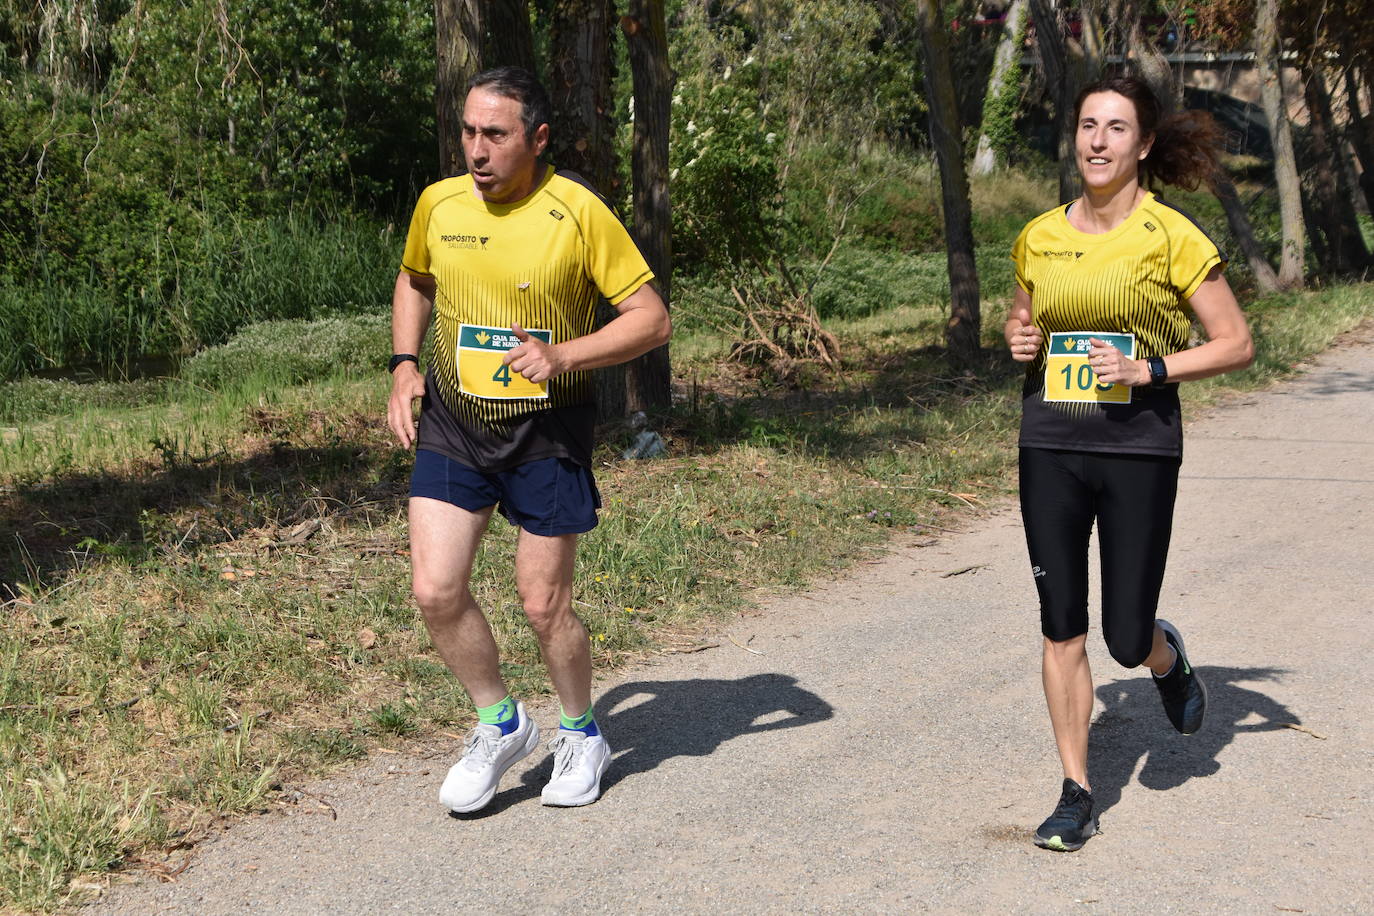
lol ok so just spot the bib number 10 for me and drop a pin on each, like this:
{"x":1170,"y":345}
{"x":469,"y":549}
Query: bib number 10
{"x":1069,"y":377}
{"x":1084,"y":379}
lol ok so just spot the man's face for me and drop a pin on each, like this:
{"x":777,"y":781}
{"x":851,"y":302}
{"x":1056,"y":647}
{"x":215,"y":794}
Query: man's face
{"x":502,"y":160}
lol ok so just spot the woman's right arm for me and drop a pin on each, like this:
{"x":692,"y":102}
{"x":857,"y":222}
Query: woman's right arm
{"x":1023,"y":338}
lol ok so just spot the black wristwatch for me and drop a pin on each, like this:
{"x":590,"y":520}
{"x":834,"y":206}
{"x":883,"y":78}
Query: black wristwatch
{"x":1159,"y":373}
{"x":399,"y":358}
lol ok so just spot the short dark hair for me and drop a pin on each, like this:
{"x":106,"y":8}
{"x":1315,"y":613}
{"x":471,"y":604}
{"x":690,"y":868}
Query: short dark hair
{"x":522,"y":85}
{"x":1186,"y":145}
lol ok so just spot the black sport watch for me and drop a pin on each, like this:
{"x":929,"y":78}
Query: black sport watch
{"x":399,"y":358}
{"x":1159,"y":373}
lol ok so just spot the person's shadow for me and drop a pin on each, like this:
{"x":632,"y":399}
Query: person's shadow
{"x":648,"y":722}
{"x":1133,"y":726}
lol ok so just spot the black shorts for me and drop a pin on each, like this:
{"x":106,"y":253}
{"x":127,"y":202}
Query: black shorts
{"x":1131,"y":498}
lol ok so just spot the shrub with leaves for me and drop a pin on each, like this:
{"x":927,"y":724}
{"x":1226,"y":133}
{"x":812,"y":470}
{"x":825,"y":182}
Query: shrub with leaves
{"x":295,"y":351}
{"x":723,"y":155}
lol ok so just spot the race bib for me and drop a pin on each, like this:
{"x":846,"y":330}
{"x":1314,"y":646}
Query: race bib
{"x":480,"y":370}
{"x":1069,"y":377}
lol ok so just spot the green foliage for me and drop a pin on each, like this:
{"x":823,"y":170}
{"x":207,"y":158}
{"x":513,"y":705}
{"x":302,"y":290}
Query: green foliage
{"x":195,"y":287}
{"x":879,"y":195}
{"x":292,"y":352}
{"x":1002,"y":102}
{"x":723,"y":156}
{"x":29,"y":399}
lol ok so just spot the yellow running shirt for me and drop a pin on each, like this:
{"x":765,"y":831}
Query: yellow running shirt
{"x":543,"y":263}
{"x":1133,"y":281}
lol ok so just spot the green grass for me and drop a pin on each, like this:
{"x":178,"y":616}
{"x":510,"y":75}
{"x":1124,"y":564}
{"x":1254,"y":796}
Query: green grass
{"x":199,"y":290}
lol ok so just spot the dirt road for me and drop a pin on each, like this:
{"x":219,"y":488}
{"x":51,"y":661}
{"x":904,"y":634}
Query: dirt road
{"x":884,"y":746}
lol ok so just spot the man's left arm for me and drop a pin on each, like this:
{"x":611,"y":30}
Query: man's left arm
{"x":642,"y":325}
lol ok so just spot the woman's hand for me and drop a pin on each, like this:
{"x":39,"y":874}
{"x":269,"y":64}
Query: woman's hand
{"x":1112,"y":367}
{"x":1023,"y":338}
{"x":1025,"y":342}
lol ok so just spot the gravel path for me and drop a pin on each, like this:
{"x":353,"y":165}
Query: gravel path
{"x":884,"y":747}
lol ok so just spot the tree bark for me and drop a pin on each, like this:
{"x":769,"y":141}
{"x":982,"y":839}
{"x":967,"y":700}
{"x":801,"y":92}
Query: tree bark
{"x":1059,"y":74}
{"x":1225,"y":190}
{"x":1345,"y":249}
{"x":646,"y":36}
{"x":946,"y":136}
{"x":1147,"y":63}
{"x":1361,"y":133}
{"x":580,"y":73}
{"x":471,"y":36}
{"x":1267,"y":65}
{"x":997,"y":101}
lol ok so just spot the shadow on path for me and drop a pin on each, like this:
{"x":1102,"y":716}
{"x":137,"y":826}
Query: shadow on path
{"x":1133,"y":726}
{"x":648,"y":722}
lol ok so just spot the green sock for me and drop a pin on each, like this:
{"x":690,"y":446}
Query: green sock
{"x":502,"y":715}
{"x":585,"y":723}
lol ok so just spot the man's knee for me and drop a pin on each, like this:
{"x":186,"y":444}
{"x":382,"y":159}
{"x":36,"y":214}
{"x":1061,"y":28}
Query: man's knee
{"x":437,"y":597}
{"x":546,"y":608}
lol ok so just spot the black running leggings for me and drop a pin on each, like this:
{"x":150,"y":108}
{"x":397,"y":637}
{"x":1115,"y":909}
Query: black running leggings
{"x":1132,"y":499}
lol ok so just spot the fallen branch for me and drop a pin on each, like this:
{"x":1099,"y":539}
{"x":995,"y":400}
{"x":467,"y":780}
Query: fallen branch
{"x":960,"y":572}
{"x":1307,"y":731}
{"x":745,"y":648}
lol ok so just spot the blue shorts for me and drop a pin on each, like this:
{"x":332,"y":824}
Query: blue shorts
{"x":549,"y":497}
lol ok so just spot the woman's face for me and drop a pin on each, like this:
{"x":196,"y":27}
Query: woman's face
{"x":1108,"y":142}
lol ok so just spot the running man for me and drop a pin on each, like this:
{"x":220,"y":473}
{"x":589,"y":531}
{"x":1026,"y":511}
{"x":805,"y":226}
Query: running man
{"x":1099,"y":315}
{"x":511,"y":260}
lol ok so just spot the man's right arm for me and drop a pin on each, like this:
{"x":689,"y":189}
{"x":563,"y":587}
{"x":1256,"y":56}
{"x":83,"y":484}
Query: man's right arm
{"x":412,"y":303}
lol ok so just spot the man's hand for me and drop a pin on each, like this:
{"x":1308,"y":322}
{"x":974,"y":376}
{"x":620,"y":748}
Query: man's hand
{"x":534,"y":359}
{"x":407,"y":384}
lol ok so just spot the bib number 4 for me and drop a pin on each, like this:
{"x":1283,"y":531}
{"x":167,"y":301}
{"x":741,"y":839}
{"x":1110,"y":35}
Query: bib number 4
{"x":482,"y":371}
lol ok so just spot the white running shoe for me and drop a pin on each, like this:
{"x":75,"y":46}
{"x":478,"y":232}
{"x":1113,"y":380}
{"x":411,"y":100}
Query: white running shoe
{"x":579,"y":760}
{"x":487,"y":754}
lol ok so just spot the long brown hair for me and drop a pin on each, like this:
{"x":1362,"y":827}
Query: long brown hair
{"x":1186,"y":144}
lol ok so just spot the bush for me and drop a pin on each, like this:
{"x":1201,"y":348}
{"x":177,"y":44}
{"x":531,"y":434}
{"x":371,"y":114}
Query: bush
{"x":197,"y":287}
{"x":723,"y":154}
{"x":31,"y":399}
{"x":291,"y":352}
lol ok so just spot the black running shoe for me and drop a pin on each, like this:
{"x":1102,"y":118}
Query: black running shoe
{"x":1183,"y":693}
{"x":1072,"y":822}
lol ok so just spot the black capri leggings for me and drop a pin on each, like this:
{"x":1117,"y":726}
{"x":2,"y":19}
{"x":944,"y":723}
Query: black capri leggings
{"x":1132,"y":499}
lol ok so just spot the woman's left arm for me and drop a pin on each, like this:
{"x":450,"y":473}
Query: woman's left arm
{"x":1228,"y":345}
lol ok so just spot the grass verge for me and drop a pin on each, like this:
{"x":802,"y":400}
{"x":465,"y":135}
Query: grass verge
{"x":211,"y":588}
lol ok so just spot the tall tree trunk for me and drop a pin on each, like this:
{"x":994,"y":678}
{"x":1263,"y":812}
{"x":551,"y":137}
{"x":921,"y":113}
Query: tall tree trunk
{"x":1244,"y":233}
{"x":471,"y":36}
{"x":646,"y":36}
{"x":582,"y":136}
{"x":1059,"y":77}
{"x":1345,"y":248}
{"x":999,"y":104}
{"x":1145,"y":61}
{"x":946,"y":136}
{"x":1361,"y":131}
{"x":1148,"y":64}
{"x":580,"y":72}
{"x":1267,"y":65}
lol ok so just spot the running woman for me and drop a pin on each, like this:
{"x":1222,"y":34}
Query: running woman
{"x":1099,"y":318}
